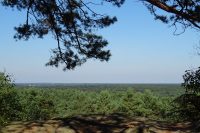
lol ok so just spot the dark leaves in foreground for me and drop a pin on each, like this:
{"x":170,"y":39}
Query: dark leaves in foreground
{"x":192,"y":81}
{"x":73,"y":24}
{"x":184,"y":13}
{"x":189,"y":103}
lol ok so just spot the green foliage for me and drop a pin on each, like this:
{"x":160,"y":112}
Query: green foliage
{"x":192,"y":81}
{"x":9,"y":100}
{"x":69,"y":102}
{"x":145,"y":104}
{"x":188,"y":107}
{"x":36,"y":105}
{"x":41,"y":104}
{"x":102,"y":103}
{"x":189,"y":103}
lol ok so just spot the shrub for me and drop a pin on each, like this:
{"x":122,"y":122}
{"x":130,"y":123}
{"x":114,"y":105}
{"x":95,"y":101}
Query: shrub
{"x":36,"y":105}
{"x":189,"y":103}
{"x":9,"y":101}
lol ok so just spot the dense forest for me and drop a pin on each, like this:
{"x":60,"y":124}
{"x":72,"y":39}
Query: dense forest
{"x":23,"y":103}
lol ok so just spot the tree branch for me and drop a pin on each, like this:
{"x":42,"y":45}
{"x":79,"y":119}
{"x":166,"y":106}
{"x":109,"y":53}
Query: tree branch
{"x":192,"y":18}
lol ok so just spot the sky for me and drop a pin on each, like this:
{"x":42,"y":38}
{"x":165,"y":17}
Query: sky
{"x":143,"y":51}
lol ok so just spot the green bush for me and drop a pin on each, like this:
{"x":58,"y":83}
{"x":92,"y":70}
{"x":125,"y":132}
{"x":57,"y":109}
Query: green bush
{"x":189,"y":102}
{"x":36,"y":105}
{"x":9,"y":101}
{"x":104,"y":102}
{"x":145,"y":104}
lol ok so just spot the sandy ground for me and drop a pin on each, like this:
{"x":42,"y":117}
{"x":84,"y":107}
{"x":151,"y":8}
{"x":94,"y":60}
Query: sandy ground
{"x":115,"y":123}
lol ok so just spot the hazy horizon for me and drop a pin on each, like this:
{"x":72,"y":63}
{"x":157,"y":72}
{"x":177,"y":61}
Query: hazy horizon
{"x":93,"y":83}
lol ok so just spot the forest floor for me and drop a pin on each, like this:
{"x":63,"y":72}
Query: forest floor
{"x":115,"y":123}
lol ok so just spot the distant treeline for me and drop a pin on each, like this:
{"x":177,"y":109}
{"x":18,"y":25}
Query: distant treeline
{"x":158,"y":89}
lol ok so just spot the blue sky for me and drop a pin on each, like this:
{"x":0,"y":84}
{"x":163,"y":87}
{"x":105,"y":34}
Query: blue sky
{"x":143,"y":51}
